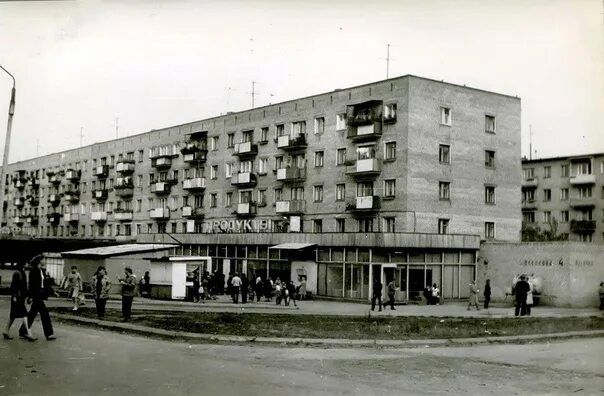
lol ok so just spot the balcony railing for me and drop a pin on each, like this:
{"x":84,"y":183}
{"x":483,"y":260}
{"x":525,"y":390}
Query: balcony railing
{"x":73,"y":175}
{"x":196,"y":183}
{"x":582,"y":179}
{"x":98,"y":216}
{"x":582,"y":202}
{"x":246,"y":209}
{"x":194,"y":147}
{"x":246,"y":179}
{"x":55,"y":179}
{"x":100,"y":194}
{"x":33,"y":220}
{"x":54,"y":199}
{"x":124,"y":192}
{"x":196,"y":157}
{"x":72,"y":196}
{"x":161,"y":162}
{"x":365,"y":167}
{"x":287,"y":142}
{"x":33,"y":183}
{"x":20,"y":184}
{"x":364,"y":113}
{"x":290,"y":207}
{"x":364,"y":204}
{"x":125,"y":167}
{"x":19,"y":202}
{"x":71,"y":217}
{"x":123,"y":215}
{"x":245,"y":149}
{"x":291,"y":174}
{"x":33,"y":200}
{"x":529,"y":204}
{"x":101,"y":171}
{"x":189,"y":211}
{"x":161,"y":187}
{"x":365,"y":132}
{"x":530,"y":182}
{"x":159,"y":213}
{"x":581,"y":226}
{"x":54,"y":218}
{"x":18,"y":220}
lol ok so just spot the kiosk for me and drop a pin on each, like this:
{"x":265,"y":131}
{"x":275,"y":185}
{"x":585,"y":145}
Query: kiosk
{"x":172,"y":276}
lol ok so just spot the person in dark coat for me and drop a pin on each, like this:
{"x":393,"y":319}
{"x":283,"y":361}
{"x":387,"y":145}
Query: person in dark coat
{"x":128,"y":283}
{"x":521,"y":290}
{"x":36,"y":295}
{"x":245,"y":286}
{"x":196,"y":286}
{"x":377,"y":294}
{"x":18,"y":292}
{"x":487,"y":294}
{"x":268,"y":289}
{"x":291,"y":289}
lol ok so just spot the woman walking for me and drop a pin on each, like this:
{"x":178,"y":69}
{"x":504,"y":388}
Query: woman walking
{"x":100,"y":288}
{"x":18,"y":288}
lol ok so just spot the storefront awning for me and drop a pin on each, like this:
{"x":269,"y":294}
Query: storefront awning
{"x":293,"y":246}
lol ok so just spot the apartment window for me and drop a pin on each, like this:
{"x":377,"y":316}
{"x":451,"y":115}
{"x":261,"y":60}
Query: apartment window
{"x":390,"y":112}
{"x":228,"y":199}
{"x":547,"y":216}
{"x":264,"y":134}
{"x":390,"y":151}
{"x":318,"y":193}
{"x":298,"y":128}
{"x":585,"y":237}
{"x":261,"y":197}
{"x":444,"y":154}
{"x":278,"y":194}
{"x":340,"y":192}
{"x":390,"y":188}
{"x":341,"y":156}
{"x":317,"y":226}
{"x":547,"y":194}
{"x":564,"y":194}
{"x":585,"y":192}
{"x":198,"y":201}
{"x":602,"y":193}
{"x":564,"y":170}
{"x":231,"y":140}
{"x":445,"y":115}
{"x":319,"y":156}
{"x":213,"y":200}
{"x":263,"y":166}
{"x":584,"y":168}
{"x":319,"y":125}
{"x":489,"y":230}
{"x":214,"y":143}
{"x":443,"y":226}
{"x":228,"y":170}
{"x":586,"y":214}
{"x":489,"y":195}
{"x":547,"y":172}
{"x":489,"y":159}
{"x":444,"y":190}
{"x":280,"y":130}
{"x":528,"y":217}
{"x":564,"y":216}
{"x":341,"y":121}
{"x":489,"y":123}
{"x":214,"y":172}
{"x":528,"y":173}
{"x":389,"y":225}
{"x":340,"y":225}
{"x":365,"y":225}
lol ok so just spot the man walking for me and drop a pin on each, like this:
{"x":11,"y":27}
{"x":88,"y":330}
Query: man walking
{"x":487,"y":294}
{"x":128,"y":283}
{"x":391,"y":292}
{"x":377,"y":294}
{"x":36,"y":296}
{"x":521,"y":291}
{"x":235,"y":287}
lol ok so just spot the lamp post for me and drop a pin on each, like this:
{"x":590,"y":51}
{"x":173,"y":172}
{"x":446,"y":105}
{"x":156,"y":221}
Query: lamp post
{"x":11,"y":112}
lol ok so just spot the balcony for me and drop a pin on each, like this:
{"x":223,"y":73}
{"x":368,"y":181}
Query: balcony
{"x":160,"y":213}
{"x":71,"y":217}
{"x":245,"y":149}
{"x":72,"y":196}
{"x":161,"y":188}
{"x":369,"y":203}
{"x":365,"y":168}
{"x":54,"y":179}
{"x":100,"y":194}
{"x":122,"y":215}
{"x":33,"y":200}
{"x":529,"y":204}
{"x":196,"y":183}
{"x":364,"y":120}
{"x":583,"y":226}
{"x":32,"y":220}
{"x":530,"y":182}
{"x":73,"y":175}
{"x":125,"y":167}
{"x":54,"y":218}
{"x":18,"y":220}
{"x":124,"y":192}
{"x":189,"y":211}
{"x":246,"y":179}
{"x":33,"y":183}
{"x":20,"y":184}
{"x":291,"y":174}
{"x":163,"y":162}
{"x":582,"y":202}
{"x":124,"y":187}
{"x":246,"y":209}
{"x":290,"y":207}
{"x":582,"y":179}
{"x":98,"y":216}
{"x":19,"y":202}
{"x":196,"y":157}
{"x":289,"y":143}
{"x":54,"y":199}
{"x":364,"y":132}
{"x":101,"y":171}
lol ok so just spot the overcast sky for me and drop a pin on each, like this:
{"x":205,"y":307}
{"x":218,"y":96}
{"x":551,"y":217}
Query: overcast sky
{"x":154,"y":64}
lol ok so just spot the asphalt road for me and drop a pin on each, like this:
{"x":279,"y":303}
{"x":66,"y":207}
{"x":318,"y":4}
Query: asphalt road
{"x":84,"y":361}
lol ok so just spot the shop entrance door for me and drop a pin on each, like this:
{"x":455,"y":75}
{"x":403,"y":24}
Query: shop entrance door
{"x":417,"y":282}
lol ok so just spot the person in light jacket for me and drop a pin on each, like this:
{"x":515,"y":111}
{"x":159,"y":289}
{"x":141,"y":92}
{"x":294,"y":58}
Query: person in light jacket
{"x":128,"y":283}
{"x":529,"y":297}
{"x":473,"y":296}
{"x":100,"y":290}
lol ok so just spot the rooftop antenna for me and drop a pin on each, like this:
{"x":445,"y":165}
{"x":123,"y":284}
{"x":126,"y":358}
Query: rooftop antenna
{"x":228,"y":103}
{"x":531,"y":142}
{"x":117,"y":119}
{"x":81,"y":135}
{"x":387,"y":61}
{"x":253,"y":92}
{"x":37,"y":147}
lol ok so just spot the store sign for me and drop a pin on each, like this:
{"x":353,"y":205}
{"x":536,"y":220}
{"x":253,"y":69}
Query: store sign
{"x":241,"y":226}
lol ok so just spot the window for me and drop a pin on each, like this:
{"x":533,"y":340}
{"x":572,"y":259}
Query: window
{"x":489,"y":195}
{"x":528,"y":173}
{"x":278,"y":194}
{"x":280,"y":130}
{"x":231,"y":140}
{"x":365,"y":225}
{"x":489,"y":123}
{"x":263,"y":166}
{"x":340,"y":192}
{"x":564,"y":194}
{"x":443,"y":154}
{"x":564,"y":170}
{"x":214,"y":172}
{"x":246,"y":166}
{"x":341,"y":121}
{"x":585,"y":237}
{"x":547,"y":216}
{"x":443,"y":226}
{"x":298,"y":128}
{"x":247,"y":136}
{"x":547,"y":195}
{"x":199,"y":201}
{"x":602,"y":193}
{"x":390,"y":188}
{"x":584,"y":168}
{"x":213,"y":200}
{"x":443,"y":190}
{"x":489,"y":159}
{"x":228,"y":199}
{"x":214,"y":143}
{"x":489,"y":230}
{"x":341,"y":156}
{"x":547,"y":172}
{"x":317,"y":226}
{"x":564,"y":216}
{"x":141,"y":155}
{"x":318,"y":193}
{"x":340,"y":225}
{"x":261,"y":197}
{"x":264,"y":134}
{"x":584,"y":192}
{"x":390,"y":151}
{"x":319,"y":125}
{"x":228,"y":170}
{"x":586,"y":214}
{"x":319,"y":159}
{"x":390,"y":112}
{"x":389,"y":225}
{"x":445,"y":116}
{"x":278,"y":162}
{"x":528,"y":217}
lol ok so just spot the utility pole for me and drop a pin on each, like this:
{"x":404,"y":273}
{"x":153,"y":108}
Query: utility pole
{"x":9,"y":126}
{"x":530,"y":141}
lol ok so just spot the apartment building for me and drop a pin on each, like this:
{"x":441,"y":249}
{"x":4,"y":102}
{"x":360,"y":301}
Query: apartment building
{"x":398,"y":178}
{"x":564,"y":197}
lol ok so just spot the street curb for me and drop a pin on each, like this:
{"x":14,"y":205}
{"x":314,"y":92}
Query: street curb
{"x":150,"y":331}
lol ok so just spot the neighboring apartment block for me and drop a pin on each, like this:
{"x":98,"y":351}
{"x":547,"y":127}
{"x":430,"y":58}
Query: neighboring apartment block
{"x":403,"y":176}
{"x":564,"y":196}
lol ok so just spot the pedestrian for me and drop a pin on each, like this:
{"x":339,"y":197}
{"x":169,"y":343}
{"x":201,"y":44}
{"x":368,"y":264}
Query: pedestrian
{"x":196,"y":286}
{"x":601,"y":291}
{"x":521,"y":291}
{"x":75,"y":287}
{"x":278,"y":295}
{"x":291,"y":290}
{"x":100,"y":289}
{"x":487,"y":294}
{"x":235,"y":287}
{"x":473,"y":296}
{"x":391,"y":292}
{"x":377,"y":294}
{"x":302,"y":288}
{"x":229,"y":286}
{"x":245,"y":286}
{"x":529,"y":297}
{"x":258,"y":287}
{"x":435,"y":295}
{"x":268,"y":289}
{"x":18,"y":311}
{"x":145,"y":285}
{"x":428,"y":294}
{"x":36,"y":296}
{"x":128,"y":283}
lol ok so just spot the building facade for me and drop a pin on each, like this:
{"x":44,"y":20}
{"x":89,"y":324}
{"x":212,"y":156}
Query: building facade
{"x":563,"y":198}
{"x":401,"y":177}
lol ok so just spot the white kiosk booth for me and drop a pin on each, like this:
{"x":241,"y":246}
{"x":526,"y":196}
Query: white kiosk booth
{"x":170,"y":276}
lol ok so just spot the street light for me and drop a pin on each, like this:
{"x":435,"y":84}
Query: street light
{"x":11,"y":112}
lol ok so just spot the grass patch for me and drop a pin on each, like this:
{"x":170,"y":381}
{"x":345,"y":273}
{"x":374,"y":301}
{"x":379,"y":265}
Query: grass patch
{"x":364,"y":328}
